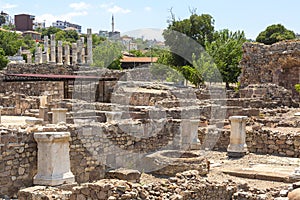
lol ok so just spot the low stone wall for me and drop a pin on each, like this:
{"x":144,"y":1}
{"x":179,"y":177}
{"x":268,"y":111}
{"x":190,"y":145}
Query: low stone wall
{"x":186,"y":185}
{"x":93,"y":148}
{"x":26,"y":68}
{"x":262,"y":141}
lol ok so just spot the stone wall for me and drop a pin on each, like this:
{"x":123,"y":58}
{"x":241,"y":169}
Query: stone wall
{"x":187,"y":185}
{"x":55,"y":88}
{"x":93,"y":148}
{"x":262,"y":141}
{"x":278,"y":63}
{"x":40,"y":69}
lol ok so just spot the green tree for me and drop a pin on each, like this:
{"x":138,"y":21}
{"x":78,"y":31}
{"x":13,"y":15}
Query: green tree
{"x":275,"y":33}
{"x":10,"y":42}
{"x":199,"y":28}
{"x":137,"y":53}
{"x":71,"y":36}
{"x":226,"y":50}
{"x":2,"y":20}
{"x":3,"y":59}
{"x":49,"y":31}
{"x":107,"y":55}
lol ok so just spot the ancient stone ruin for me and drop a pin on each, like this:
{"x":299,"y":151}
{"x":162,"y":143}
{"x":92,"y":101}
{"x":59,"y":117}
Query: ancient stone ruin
{"x":69,"y":131}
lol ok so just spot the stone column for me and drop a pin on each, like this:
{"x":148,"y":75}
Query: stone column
{"x":189,"y":134}
{"x":89,"y":47}
{"x":237,"y":147}
{"x":46,"y":50}
{"x":59,"y":53}
{"x":79,"y":51}
{"x":59,"y":115}
{"x":1,"y":107}
{"x":83,"y":60}
{"x":52,"y":49}
{"x":43,"y":100}
{"x":67,"y":54}
{"x":53,"y":159}
{"x":74,"y":54}
{"x":29,"y":58}
{"x":38,"y":55}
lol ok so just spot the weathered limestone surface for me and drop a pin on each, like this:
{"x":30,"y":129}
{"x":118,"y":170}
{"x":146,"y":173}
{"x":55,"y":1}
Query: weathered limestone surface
{"x":237,"y":146}
{"x":53,"y":159}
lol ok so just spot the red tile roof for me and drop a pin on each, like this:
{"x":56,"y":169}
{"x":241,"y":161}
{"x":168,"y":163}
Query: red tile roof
{"x":138,"y":59}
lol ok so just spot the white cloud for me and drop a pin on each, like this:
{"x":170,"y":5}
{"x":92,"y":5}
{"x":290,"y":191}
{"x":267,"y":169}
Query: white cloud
{"x":80,"y":6}
{"x":110,"y":7}
{"x":9,"y":6}
{"x":148,"y":8}
{"x":49,"y":18}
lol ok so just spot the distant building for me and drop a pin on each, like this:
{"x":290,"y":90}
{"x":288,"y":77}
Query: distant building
{"x":24,"y":22}
{"x":114,"y":35}
{"x":64,"y":25}
{"x":34,"y":35}
{"x":37,"y":25}
{"x":7,"y":18}
{"x":128,"y":43}
{"x":128,"y":62}
{"x":103,"y":34}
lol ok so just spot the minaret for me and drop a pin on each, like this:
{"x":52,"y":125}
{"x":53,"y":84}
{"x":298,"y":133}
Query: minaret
{"x":112,"y":24}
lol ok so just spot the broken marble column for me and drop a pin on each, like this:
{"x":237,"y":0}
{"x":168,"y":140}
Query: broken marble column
{"x":89,"y":47}
{"x":46,"y":49}
{"x":83,"y":59}
{"x":1,"y":108}
{"x":38,"y":55}
{"x":79,"y":51}
{"x":59,"y":115}
{"x":52,"y":49}
{"x":67,"y":54}
{"x":43,"y":100}
{"x":29,"y":58}
{"x":74,"y":54}
{"x":237,"y":147}
{"x":59,"y":53}
{"x":43,"y":109}
{"x":189,"y":134}
{"x":53,"y":159}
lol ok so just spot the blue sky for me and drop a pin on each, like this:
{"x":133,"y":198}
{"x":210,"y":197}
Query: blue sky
{"x":251,"y":16}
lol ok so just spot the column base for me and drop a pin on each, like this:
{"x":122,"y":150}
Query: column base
{"x":66,"y":178}
{"x":233,"y":154}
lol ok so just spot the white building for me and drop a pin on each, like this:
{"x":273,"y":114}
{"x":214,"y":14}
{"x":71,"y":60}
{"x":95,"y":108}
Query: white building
{"x":64,"y":24}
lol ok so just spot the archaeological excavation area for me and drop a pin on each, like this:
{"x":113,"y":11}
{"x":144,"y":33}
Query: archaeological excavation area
{"x":70,"y":131}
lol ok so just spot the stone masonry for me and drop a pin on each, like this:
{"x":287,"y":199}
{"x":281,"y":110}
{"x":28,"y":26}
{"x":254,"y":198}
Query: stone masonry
{"x":278,"y":64}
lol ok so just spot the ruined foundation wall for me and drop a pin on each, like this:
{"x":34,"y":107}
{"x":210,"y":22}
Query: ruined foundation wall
{"x":91,"y":148}
{"x":261,"y":141}
{"x":34,"y":88}
{"x":278,"y":63}
{"x":44,"y":68}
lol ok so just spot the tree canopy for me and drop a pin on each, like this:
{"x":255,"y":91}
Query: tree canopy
{"x":107,"y":55}
{"x":10,"y":42}
{"x":220,"y":55}
{"x":226,"y":50}
{"x":275,"y":33}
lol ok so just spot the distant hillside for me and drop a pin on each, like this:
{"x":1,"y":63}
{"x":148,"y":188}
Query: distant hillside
{"x":146,"y":33}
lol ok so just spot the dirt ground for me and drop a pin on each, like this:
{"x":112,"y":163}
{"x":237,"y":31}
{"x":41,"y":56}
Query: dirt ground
{"x":220,"y":161}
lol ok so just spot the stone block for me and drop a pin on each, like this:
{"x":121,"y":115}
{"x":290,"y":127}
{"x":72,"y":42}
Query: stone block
{"x":125,"y":174}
